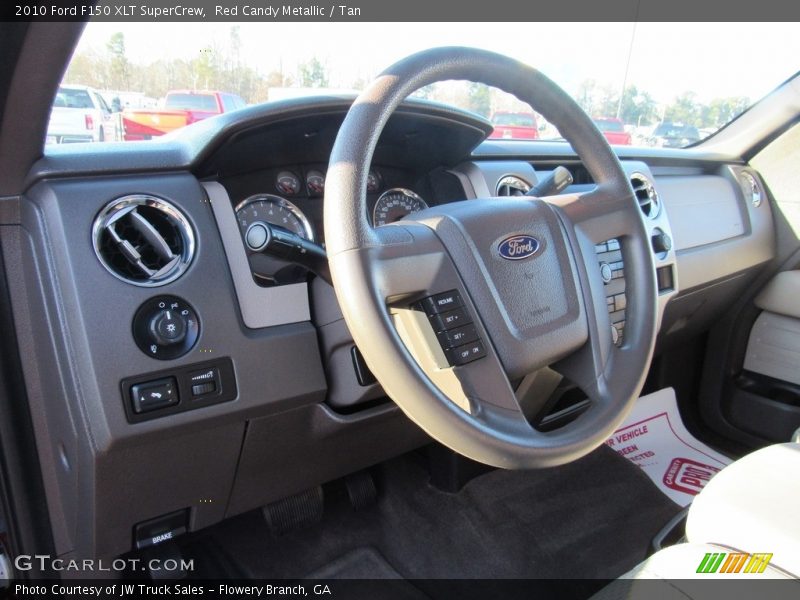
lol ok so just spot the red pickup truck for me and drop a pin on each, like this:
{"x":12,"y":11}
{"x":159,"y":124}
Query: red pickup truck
{"x":614,"y":130}
{"x":514,"y":126}
{"x":181,"y":108}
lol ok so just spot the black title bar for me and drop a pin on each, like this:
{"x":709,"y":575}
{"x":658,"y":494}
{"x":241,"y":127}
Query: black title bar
{"x":400,"y":11}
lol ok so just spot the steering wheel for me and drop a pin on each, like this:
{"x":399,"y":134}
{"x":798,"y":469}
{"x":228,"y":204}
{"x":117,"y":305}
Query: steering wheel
{"x":523,"y":270}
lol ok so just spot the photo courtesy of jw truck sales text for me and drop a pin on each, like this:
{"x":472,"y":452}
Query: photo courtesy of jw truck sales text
{"x":142,"y":590}
{"x":400,"y":300}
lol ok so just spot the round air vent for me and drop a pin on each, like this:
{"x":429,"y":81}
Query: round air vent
{"x":752,"y":191}
{"x":512,"y":186}
{"x":646,"y":195}
{"x":143,"y":240}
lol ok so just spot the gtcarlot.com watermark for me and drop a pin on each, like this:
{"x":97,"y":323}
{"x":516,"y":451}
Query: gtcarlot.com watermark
{"x":45,"y":562}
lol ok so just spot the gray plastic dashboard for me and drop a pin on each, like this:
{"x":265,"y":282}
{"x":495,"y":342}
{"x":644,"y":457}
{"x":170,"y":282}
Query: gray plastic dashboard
{"x":288,"y":345}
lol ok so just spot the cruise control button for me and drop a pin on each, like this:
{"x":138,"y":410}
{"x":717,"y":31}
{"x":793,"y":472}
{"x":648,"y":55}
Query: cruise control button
{"x":442,"y":302}
{"x":458,"y":337}
{"x":466,"y":353}
{"x":450,"y":320}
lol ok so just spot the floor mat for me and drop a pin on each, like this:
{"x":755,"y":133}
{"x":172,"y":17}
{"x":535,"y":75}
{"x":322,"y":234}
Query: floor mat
{"x":654,"y":438}
{"x":362,"y":563}
{"x":593,"y":518}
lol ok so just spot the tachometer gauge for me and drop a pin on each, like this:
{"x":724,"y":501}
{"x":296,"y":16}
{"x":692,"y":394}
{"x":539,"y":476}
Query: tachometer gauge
{"x":395,"y":204}
{"x":274,"y":210}
{"x":287,"y":183}
{"x":315,"y":181}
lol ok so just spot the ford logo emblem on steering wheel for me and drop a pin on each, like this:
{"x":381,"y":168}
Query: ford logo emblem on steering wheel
{"x":517,"y":247}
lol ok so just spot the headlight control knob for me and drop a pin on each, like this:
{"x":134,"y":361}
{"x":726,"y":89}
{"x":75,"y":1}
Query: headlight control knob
{"x":165,"y":327}
{"x":168,"y":327}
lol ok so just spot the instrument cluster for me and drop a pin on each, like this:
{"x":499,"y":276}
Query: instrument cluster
{"x":290,"y":198}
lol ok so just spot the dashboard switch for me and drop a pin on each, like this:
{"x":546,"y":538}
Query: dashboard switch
{"x":606,"y":273}
{"x":153,"y":395}
{"x":165,"y":327}
{"x":204,"y":388}
{"x":363,"y":375}
{"x":177,"y":389}
{"x":205,"y":381}
{"x":168,"y":327}
{"x":161,"y":529}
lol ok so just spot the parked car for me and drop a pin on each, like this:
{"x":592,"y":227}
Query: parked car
{"x":80,"y":114}
{"x":674,"y":135}
{"x":614,"y":130}
{"x":514,"y":126}
{"x":181,"y":108}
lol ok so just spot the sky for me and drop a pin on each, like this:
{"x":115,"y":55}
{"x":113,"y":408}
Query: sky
{"x":711,"y":59}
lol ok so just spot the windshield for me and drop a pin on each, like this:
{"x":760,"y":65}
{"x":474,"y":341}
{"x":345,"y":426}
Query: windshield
{"x":648,"y":84}
{"x":514,"y":120}
{"x":609,"y":125}
{"x":191,"y":102}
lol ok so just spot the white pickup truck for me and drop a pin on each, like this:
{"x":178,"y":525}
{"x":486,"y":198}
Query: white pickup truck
{"x":81,"y":115}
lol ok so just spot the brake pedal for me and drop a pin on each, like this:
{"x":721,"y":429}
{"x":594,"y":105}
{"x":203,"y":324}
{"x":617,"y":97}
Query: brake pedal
{"x":295,"y":512}
{"x":361,"y":489}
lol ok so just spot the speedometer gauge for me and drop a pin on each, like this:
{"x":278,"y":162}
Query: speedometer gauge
{"x":395,"y":204}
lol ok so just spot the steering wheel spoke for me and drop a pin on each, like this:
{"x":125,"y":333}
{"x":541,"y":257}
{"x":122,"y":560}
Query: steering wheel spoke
{"x":600,"y":214}
{"x":407,"y":261}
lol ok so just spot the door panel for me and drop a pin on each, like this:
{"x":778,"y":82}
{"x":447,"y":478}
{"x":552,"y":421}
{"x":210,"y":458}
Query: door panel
{"x":750,"y":386}
{"x":766,"y":399}
{"x":774,"y":347}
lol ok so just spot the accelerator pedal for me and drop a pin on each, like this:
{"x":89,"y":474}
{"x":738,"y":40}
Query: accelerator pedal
{"x":361,"y":489}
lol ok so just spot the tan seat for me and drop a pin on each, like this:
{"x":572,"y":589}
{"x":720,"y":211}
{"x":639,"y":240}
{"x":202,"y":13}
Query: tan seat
{"x":753,"y":505}
{"x":744,"y":526}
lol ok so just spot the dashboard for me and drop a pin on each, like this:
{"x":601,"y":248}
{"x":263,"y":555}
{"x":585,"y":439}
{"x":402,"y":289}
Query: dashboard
{"x":213,"y":379}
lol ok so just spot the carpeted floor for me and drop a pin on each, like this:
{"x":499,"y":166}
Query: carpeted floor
{"x":591,"y":519}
